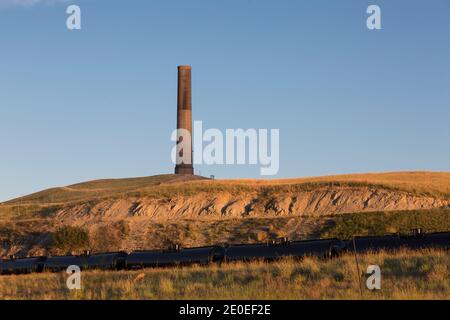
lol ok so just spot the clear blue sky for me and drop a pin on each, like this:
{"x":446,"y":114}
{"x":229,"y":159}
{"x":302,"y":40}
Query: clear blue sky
{"x":101,"y":102}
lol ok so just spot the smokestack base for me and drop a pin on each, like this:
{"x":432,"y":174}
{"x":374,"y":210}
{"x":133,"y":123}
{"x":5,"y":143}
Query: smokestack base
{"x":184,"y":169}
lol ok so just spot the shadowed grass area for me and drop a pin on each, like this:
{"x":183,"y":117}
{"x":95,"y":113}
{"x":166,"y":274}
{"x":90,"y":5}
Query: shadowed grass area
{"x":379,"y":223}
{"x":36,"y":234}
{"x":404,"y":275}
{"x":191,"y":233}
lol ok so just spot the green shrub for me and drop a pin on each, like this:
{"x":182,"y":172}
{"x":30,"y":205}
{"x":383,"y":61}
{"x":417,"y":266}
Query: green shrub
{"x":69,"y":238}
{"x":379,"y":223}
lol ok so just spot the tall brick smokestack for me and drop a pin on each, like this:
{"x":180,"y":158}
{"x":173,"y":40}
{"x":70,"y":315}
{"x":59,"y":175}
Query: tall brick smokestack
{"x":184,"y":120}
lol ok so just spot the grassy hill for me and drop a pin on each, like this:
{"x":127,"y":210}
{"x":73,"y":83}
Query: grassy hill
{"x":436,"y":184}
{"x":154,"y":212}
{"x":91,"y":190}
{"x":418,"y":182}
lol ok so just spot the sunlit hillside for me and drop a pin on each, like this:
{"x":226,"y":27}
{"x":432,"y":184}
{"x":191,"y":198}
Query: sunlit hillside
{"x":428,"y":183}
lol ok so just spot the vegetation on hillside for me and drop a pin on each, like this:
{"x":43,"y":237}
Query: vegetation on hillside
{"x":379,"y":223}
{"x":70,"y":239}
{"x":110,"y":237}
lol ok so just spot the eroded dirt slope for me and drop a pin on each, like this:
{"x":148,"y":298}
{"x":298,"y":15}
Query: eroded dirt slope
{"x":210,"y":205}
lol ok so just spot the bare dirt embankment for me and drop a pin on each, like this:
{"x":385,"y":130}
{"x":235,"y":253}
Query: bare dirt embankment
{"x":328,"y":200}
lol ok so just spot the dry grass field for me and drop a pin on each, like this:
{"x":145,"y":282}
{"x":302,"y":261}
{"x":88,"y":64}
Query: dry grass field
{"x":404,"y":275}
{"x":413,"y":181}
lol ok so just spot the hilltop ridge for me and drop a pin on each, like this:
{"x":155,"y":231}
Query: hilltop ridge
{"x":434,"y":184}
